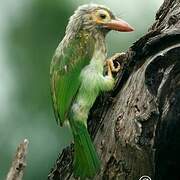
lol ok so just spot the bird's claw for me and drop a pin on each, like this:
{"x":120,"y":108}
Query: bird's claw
{"x":112,"y":67}
{"x":110,"y":62}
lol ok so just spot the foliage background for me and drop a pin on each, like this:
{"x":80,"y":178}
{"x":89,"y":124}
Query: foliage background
{"x":29,"y":33}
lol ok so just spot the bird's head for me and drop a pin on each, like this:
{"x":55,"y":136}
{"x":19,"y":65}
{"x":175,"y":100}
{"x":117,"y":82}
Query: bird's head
{"x":97,"y":18}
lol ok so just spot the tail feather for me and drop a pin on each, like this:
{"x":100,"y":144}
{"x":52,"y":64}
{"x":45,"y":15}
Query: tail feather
{"x":86,"y":161}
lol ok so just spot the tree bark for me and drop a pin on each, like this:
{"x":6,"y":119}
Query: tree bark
{"x":136,"y":126}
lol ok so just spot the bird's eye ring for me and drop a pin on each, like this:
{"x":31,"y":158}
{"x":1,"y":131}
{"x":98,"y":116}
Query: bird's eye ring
{"x":102,"y":16}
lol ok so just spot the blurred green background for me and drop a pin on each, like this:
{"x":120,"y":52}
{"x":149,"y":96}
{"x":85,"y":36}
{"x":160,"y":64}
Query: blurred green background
{"x":29,"y":33}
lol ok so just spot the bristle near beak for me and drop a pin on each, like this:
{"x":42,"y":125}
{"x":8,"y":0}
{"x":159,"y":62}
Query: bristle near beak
{"x":119,"y":25}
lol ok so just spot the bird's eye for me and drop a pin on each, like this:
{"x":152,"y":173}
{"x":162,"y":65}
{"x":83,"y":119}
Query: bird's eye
{"x":102,"y":16}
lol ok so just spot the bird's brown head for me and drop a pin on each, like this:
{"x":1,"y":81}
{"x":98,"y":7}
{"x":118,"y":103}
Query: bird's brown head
{"x":95,"y":17}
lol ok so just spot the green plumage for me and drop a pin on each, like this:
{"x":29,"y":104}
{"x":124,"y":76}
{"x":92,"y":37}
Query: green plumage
{"x":65,"y":78}
{"x":65,"y":71}
{"x":77,"y":78}
{"x":84,"y":153}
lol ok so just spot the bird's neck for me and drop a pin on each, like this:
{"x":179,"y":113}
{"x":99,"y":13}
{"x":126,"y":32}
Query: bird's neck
{"x":99,"y":54}
{"x":94,"y":40}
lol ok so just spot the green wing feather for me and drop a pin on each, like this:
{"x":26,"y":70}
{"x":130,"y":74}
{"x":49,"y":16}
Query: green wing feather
{"x":65,"y":70}
{"x":66,"y":67}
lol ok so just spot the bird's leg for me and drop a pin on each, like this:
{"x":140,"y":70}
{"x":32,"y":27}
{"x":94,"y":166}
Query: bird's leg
{"x":110,"y":62}
{"x":107,"y":82}
{"x":109,"y":73}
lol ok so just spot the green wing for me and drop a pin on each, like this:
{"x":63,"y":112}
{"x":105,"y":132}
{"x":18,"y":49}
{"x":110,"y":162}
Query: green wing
{"x":65,"y":71}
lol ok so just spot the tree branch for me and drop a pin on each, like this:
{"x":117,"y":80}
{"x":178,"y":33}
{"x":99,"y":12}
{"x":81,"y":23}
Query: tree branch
{"x":19,"y":163}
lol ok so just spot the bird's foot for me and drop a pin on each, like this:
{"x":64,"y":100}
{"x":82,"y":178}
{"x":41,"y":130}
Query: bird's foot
{"x":113,"y":63}
{"x":109,"y":71}
{"x":110,"y":62}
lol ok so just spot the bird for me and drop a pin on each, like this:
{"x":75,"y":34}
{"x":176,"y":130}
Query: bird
{"x":77,"y":77}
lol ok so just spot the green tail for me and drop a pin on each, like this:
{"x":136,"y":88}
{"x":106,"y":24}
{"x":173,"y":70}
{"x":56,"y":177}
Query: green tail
{"x":86,"y":161}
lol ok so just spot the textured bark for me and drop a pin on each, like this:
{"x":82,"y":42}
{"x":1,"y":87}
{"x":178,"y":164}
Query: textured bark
{"x":136,"y":126}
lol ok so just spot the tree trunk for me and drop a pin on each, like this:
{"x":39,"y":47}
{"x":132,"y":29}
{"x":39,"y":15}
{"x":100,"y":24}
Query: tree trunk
{"x":136,"y":127}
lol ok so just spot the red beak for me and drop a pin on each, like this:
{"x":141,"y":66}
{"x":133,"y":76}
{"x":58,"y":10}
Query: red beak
{"x":119,"y":25}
